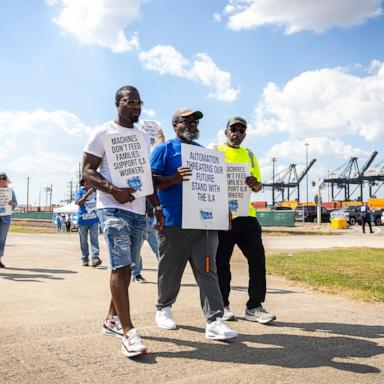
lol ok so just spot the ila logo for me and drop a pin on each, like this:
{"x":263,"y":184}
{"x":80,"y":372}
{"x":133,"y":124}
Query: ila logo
{"x":233,"y":205}
{"x":135,"y":183}
{"x":206,"y":216}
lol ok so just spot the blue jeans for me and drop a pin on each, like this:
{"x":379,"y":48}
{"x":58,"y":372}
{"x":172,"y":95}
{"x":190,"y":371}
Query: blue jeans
{"x":5,"y":222}
{"x":93,"y":230}
{"x":149,"y":234}
{"x":123,"y":231}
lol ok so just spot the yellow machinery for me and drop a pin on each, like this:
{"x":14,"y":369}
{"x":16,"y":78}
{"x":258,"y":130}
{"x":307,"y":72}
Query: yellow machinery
{"x":339,"y":223}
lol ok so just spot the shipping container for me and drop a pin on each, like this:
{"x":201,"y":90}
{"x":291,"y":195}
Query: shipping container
{"x":259,"y":204}
{"x":375,"y":202}
{"x":331,"y":204}
{"x":348,"y":203}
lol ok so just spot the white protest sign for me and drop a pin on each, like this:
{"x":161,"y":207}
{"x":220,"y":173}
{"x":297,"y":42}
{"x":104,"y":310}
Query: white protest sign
{"x":238,"y":192}
{"x":5,"y":198}
{"x":128,"y":161}
{"x":205,"y":197}
{"x":152,"y":127}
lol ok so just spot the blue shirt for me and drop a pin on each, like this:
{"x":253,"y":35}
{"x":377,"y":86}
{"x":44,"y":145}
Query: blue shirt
{"x":87,"y":212}
{"x":165,"y":159}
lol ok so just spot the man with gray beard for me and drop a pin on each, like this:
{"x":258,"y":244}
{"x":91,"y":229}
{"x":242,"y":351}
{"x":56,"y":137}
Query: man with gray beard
{"x":177,"y":245}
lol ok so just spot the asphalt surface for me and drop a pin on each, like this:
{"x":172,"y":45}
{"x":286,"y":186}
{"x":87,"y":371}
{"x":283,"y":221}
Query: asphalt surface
{"x":52,"y":308}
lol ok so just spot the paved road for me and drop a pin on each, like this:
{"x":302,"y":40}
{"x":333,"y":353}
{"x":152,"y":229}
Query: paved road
{"x":51,"y":311}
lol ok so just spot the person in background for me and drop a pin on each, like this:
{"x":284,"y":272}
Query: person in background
{"x":67,"y":222}
{"x":245,"y":232}
{"x":365,"y":217}
{"x":87,"y":221}
{"x":58,"y":223}
{"x":149,"y":234}
{"x":5,"y":220}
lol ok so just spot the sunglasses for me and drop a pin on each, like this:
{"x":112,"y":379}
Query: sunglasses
{"x":188,"y":121}
{"x":235,"y":129}
{"x":132,"y":103}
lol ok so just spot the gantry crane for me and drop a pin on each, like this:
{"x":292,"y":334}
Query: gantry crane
{"x":287,"y":180}
{"x":375,"y":178}
{"x":347,"y":175}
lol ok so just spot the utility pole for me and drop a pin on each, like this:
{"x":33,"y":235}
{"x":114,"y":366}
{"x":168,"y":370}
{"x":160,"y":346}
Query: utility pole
{"x":50,"y":198}
{"x":39,"y":209}
{"x":27,"y":192}
{"x":273,"y":180}
{"x":47,"y":190}
{"x":79,"y":175}
{"x":306,"y":164}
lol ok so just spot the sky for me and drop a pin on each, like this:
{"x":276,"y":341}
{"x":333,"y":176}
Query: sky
{"x":299,"y":71}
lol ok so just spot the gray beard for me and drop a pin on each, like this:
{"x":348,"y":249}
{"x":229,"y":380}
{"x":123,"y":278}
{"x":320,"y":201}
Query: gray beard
{"x":190,"y":136}
{"x":233,"y":145}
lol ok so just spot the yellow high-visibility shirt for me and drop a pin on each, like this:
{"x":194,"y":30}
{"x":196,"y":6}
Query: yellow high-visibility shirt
{"x":242,"y":155}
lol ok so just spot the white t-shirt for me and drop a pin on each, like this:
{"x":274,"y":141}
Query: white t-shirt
{"x":95,"y":146}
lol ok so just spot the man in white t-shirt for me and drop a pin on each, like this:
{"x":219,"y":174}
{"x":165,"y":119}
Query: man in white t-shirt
{"x":121,"y":216}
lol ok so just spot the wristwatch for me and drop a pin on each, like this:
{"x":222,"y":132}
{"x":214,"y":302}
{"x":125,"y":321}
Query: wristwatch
{"x":157,"y":208}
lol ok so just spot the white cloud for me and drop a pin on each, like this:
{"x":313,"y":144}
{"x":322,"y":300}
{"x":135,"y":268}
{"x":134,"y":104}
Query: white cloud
{"x":41,"y":141}
{"x":100,"y":22}
{"x":319,"y":147}
{"x":5,"y":149}
{"x":165,"y":59}
{"x":330,"y":155}
{"x":45,"y":162}
{"x":46,"y":146}
{"x":327,"y":102}
{"x":52,"y":3}
{"x":217,"y":17}
{"x":299,"y":15}
{"x":149,"y":112}
{"x":41,"y":122}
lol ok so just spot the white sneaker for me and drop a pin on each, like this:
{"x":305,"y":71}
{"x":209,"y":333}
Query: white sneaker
{"x":164,"y":318}
{"x":133,"y":345}
{"x":112,"y":327}
{"x":219,"y":331}
{"x":228,"y":315}
{"x":260,"y":315}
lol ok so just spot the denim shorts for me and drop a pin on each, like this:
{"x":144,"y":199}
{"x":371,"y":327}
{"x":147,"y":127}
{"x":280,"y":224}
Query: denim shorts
{"x":123,"y":231}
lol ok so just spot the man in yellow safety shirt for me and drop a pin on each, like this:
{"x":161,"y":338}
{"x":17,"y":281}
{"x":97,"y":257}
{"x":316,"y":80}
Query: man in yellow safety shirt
{"x":245,"y":231}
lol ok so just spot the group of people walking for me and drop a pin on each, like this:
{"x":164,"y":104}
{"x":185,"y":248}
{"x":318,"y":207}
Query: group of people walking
{"x":127,"y":221}
{"x":124,"y":218}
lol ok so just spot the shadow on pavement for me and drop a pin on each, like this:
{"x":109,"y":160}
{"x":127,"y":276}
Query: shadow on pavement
{"x":283,"y":350}
{"x":357,"y":330}
{"x":37,"y":275}
{"x":272,"y":291}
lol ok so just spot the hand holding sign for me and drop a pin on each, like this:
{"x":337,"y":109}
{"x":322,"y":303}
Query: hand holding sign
{"x":123,"y":195}
{"x":252,"y":183}
{"x":182,"y":174}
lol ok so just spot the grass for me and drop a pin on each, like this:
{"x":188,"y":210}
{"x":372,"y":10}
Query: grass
{"x":17,"y":228}
{"x":356,"y":272}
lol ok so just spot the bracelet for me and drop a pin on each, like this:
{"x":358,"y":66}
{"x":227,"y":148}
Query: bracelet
{"x":157,"y":208}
